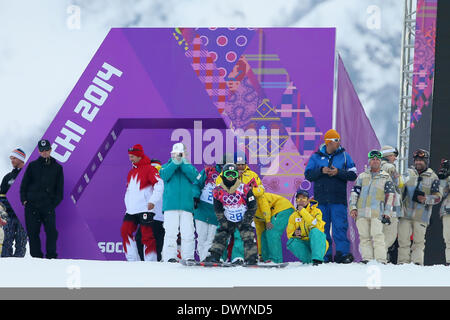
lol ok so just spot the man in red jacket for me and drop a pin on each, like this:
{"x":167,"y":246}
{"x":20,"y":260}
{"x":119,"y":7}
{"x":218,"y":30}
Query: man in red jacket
{"x":144,"y":192}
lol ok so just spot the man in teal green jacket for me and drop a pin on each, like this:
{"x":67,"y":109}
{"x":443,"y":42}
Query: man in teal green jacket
{"x":178,"y":205}
{"x":204,"y":215}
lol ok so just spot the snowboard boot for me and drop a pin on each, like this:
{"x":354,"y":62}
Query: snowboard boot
{"x":252,"y":261}
{"x":172,"y":260}
{"x":316,"y":262}
{"x":344,"y":259}
{"x":213,"y":257}
{"x":238,"y":261}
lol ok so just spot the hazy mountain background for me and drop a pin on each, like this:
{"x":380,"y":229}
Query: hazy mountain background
{"x":45,"y":45}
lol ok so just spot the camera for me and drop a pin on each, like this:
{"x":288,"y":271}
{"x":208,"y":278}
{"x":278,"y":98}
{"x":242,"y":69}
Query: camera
{"x":386,"y":220}
{"x":416,"y":194}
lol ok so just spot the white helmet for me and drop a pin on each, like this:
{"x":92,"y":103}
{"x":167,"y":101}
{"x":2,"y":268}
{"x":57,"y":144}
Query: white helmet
{"x":388,"y":150}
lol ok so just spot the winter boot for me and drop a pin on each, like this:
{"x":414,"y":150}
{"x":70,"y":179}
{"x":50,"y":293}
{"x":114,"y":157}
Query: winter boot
{"x":252,"y":261}
{"x":316,"y":262}
{"x":344,"y":259}
{"x":238,"y":261}
{"x":213,"y":257}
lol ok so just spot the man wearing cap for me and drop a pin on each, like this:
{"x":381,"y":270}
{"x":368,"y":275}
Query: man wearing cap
{"x":371,"y":205}
{"x":178,"y":204}
{"x":305,"y":230}
{"x":142,"y":200}
{"x":247,"y":176}
{"x":14,"y":232}
{"x":41,"y":191}
{"x":235,"y":206}
{"x":156,"y":224}
{"x":391,"y":230}
{"x":420,"y":193}
{"x":329,"y":169}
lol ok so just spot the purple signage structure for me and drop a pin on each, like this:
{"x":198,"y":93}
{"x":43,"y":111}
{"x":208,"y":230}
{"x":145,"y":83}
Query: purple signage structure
{"x":424,"y":59}
{"x":268,"y":92}
{"x":423,"y":76}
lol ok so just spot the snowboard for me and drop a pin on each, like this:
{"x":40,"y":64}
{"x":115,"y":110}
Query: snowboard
{"x":206,"y":264}
{"x":267,"y":265}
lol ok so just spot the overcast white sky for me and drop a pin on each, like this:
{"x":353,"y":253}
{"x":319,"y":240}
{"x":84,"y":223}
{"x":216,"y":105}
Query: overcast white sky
{"x":44,"y":48}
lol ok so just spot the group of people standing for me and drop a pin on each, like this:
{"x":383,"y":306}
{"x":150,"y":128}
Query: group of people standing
{"x":41,"y":191}
{"x":234,"y":217}
{"x":224,"y":204}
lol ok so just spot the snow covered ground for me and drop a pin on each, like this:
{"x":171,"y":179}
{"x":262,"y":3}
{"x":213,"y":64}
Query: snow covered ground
{"x":41,"y":273}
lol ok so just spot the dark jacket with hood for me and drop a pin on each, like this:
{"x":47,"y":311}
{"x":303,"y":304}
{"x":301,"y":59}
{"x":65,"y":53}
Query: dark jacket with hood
{"x":43,"y":184}
{"x":330,"y":190}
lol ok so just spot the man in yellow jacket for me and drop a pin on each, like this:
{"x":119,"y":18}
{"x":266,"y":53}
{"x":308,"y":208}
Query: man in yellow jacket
{"x":270,"y":227}
{"x":247,"y":176}
{"x":305,"y":231}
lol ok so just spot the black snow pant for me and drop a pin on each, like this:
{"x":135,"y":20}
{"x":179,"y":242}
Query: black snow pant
{"x":158,"y":233}
{"x":34,"y":218}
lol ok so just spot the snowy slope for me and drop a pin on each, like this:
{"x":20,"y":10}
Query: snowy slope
{"x":31,"y":272}
{"x":42,"y":55}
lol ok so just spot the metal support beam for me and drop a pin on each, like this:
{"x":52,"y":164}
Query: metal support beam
{"x":406,"y":77}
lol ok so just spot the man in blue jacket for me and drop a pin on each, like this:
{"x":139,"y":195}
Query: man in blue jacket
{"x":330,"y":168}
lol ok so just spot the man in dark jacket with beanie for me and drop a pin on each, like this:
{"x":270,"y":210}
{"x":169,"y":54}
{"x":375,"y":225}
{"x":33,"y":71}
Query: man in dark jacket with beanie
{"x":41,"y":191}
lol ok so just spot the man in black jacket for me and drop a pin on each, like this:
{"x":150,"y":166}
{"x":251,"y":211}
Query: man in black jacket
{"x":41,"y":192}
{"x":14,"y":232}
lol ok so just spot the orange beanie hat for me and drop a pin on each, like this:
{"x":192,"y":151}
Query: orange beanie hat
{"x":331,"y":134}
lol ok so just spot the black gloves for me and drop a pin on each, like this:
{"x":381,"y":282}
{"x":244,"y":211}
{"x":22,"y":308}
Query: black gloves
{"x":196,"y":202}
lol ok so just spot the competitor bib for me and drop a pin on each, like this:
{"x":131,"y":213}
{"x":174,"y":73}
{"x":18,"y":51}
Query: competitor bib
{"x":207,"y":193}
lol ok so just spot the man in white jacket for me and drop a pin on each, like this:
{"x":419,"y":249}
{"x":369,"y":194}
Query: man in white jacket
{"x":142,"y":197}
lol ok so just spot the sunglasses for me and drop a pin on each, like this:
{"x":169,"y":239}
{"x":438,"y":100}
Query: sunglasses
{"x":334,"y":139}
{"x":231,"y":174}
{"x":375,"y":154}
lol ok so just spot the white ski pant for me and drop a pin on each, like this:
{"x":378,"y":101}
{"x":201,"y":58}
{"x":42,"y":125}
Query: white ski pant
{"x":408,"y":253}
{"x":205,"y":237}
{"x":178,"y":221}
{"x":371,"y":239}
{"x":446,"y":233}
{"x":390,"y":232}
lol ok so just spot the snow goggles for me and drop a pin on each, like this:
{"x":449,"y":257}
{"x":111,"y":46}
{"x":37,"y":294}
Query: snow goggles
{"x":231,"y":174}
{"x":375,"y":154}
{"x":334,"y":139}
{"x":419,"y":153}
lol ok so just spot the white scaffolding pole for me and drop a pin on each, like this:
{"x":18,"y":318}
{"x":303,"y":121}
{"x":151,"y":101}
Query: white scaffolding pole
{"x":406,"y":78}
